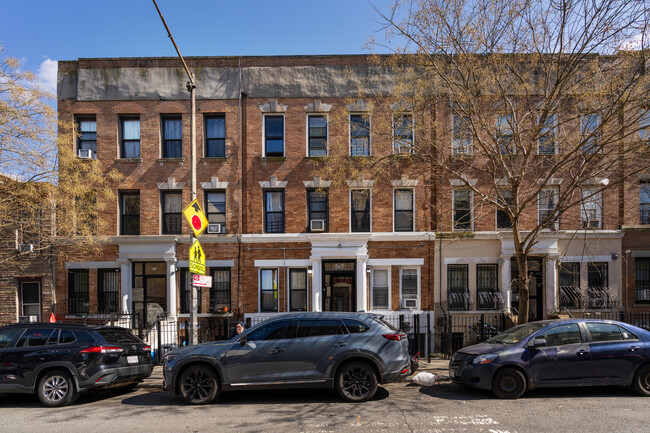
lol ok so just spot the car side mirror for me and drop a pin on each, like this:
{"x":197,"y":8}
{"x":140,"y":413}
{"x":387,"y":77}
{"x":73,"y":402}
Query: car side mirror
{"x":539,"y":342}
{"x":242,"y":340}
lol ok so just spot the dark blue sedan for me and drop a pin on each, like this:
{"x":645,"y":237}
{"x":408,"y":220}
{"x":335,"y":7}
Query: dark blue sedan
{"x":552,"y":353}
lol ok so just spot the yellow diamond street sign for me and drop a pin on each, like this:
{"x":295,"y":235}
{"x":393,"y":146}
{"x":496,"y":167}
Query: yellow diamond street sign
{"x":196,"y":218}
{"x":197,"y":259}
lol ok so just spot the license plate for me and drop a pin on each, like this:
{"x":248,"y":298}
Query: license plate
{"x":132,"y":359}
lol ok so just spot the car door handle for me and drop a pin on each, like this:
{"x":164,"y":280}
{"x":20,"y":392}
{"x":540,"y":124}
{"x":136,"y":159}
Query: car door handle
{"x":582,"y":352}
{"x":277,"y":350}
{"x":340,"y":344}
{"x":634,"y":348}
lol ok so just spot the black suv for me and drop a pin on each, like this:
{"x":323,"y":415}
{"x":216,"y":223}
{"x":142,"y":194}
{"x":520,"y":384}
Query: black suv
{"x":58,"y":361}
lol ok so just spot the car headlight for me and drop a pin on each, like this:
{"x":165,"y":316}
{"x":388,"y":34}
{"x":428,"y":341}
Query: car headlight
{"x":485,"y":359}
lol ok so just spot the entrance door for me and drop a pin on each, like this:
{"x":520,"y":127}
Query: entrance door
{"x":535,"y":287}
{"x":150,"y":279}
{"x":339,"y":289}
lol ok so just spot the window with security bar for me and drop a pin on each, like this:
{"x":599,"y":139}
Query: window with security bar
{"x":108,"y":284}
{"x":642,"y":280}
{"x":220,"y":290}
{"x":457,"y":287}
{"x":78,"y":294}
{"x":487,"y":287}
{"x":598,"y":285}
{"x":644,"y":202}
{"x":570,"y":293}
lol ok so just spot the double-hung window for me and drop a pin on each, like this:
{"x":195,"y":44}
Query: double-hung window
{"x":403,"y":133}
{"x":461,"y":135}
{"x":462,"y":202}
{"x":380,"y":289}
{"x":505,"y":135}
{"x":591,"y":209}
{"x":220,"y":290}
{"x":274,"y":211}
{"x":129,"y":212}
{"x":108,"y":282}
{"x":297,"y":289}
{"x":359,"y":135}
{"x":644,"y":126}
{"x":268,"y":290}
{"x":215,"y":208}
{"x":642,"y":280}
{"x":503,"y":220}
{"x":409,"y":288}
{"x":215,"y":135}
{"x":318,"y":204}
{"x":547,"y":142}
{"x":590,"y":133}
{"x":172,"y":131}
{"x":172,"y":208}
{"x":78,"y":295}
{"x":644,"y":202}
{"x":547,"y":201}
{"x":87,"y":138}
{"x":457,"y":287}
{"x":130,"y":137}
{"x":317,"y":132}
{"x":30,"y":299}
{"x":273,"y":135}
{"x":487,"y":287}
{"x":360,"y":210}
{"x":404,"y":210}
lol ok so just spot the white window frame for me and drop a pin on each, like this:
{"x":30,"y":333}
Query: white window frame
{"x":372,"y":287}
{"x":553,"y":127}
{"x":288,"y":276}
{"x":327,"y":133}
{"x":284,"y":134}
{"x":453,"y":209}
{"x":412,"y":209}
{"x":22,"y":304}
{"x":419,"y":294}
{"x":644,"y":125}
{"x":259,"y":289}
{"x":350,"y":211}
{"x":496,"y":214}
{"x":598,"y":137}
{"x":556,"y":192}
{"x":350,"y":133}
{"x":593,"y":198}
{"x":456,"y":144}
{"x":503,"y":124}
{"x":397,"y":146}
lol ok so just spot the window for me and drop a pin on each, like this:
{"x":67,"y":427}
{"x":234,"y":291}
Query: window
{"x":279,"y":330}
{"x":172,"y":137}
{"x":87,"y":138}
{"x":409,"y":288}
{"x":30,"y":299}
{"x":591,"y":209}
{"x":462,"y":209}
{"x":129,"y":212}
{"x":546,"y":208}
{"x":403,"y":210}
{"x":487,"y":287}
{"x":273,"y":211}
{"x":503,"y":220}
{"x":359,"y":135}
{"x":273,"y":135}
{"x":561,"y":335}
{"x":403,"y":133}
{"x":215,"y":208}
{"x":317,"y":135}
{"x":215,"y":136}
{"x":318,"y":209}
{"x":505,"y":135}
{"x":461,"y":139}
{"x":78,"y":299}
{"x":318,"y":327}
{"x":130,"y":137}
{"x":220,"y":290}
{"x":172,"y":212}
{"x":457,"y":287}
{"x":38,"y":337}
{"x":360,"y":210}
{"x":644,"y":201}
{"x":590,"y":133}
{"x":186,"y":293}
{"x":355,"y":326}
{"x":108,"y":281}
{"x":547,"y":143}
{"x":570,"y":295}
{"x":597,"y":285}
{"x":642,"y":280}
{"x":268,"y":290}
{"x":297,"y":289}
{"x":7,"y":336}
{"x":380,"y":290}
{"x":604,"y":332}
{"x":86,"y":213}
{"x":644,"y":126}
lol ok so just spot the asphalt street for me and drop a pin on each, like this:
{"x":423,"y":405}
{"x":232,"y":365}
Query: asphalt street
{"x":398,"y":407}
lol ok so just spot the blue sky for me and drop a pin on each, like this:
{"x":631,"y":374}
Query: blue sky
{"x":40,"y":32}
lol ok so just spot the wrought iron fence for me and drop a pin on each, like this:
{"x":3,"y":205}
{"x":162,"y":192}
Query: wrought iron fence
{"x":460,"y":330}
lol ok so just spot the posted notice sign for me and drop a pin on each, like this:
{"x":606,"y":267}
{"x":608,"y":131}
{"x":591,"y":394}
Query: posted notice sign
{"x":202,"y":281}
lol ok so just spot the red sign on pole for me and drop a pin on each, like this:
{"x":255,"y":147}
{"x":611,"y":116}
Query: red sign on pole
{"x":202,"y":281}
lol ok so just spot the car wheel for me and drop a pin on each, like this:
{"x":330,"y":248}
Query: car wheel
{"x":508,"y":383}
{"x":198,"y":385}
{"x":641,"y":384}
{"x":56,"y":388}
{"x":356,"y":382}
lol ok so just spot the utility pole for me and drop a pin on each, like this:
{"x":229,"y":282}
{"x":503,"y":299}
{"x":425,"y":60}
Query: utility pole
{"x":191,"y":87}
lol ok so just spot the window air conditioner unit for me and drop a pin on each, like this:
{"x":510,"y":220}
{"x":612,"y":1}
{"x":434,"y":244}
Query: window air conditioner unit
{"x":27,"y":248}
{"x":317,"y":225}
{"x":85,"y":154}
{"x":27,"y":319}
{"x":409,"y":304}
{"x":214,"y":228}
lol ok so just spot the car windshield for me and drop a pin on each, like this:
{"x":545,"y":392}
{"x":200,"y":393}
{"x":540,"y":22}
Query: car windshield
{"x":516,"y":334}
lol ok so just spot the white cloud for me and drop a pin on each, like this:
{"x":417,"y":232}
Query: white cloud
{"x":47,"y":75}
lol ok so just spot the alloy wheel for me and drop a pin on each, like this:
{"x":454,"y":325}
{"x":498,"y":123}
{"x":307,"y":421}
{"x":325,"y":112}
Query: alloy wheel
{"x":55,"y":388}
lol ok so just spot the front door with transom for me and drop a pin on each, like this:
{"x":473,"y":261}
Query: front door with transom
{"x":339,"y":288}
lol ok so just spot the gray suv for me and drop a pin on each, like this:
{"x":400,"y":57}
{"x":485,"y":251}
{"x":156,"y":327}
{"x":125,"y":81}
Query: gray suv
{"x":350,"y":352}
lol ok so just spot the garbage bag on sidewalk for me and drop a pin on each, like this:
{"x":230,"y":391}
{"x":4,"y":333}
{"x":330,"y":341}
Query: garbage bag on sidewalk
{"x":425,"y":379}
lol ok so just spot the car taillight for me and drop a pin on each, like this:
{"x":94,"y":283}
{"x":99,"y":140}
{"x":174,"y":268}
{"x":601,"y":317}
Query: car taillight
{"x":147,"y":348}
{"x":102,"y":349}
{"x":396,"y":337}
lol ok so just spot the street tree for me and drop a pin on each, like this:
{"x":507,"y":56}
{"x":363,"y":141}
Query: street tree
{"x":545,"y":102}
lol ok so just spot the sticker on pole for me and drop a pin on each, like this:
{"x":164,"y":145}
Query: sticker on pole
{"x":197,"y":259}
{"x":202,"y":281}
{"x":196,"y":218}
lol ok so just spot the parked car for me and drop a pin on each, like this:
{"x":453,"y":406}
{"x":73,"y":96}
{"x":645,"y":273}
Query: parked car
{"x":553,"y":353}
{"x":58,"y":361}
{"x":350,"y":352}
